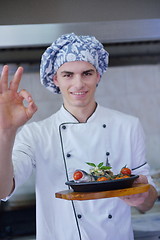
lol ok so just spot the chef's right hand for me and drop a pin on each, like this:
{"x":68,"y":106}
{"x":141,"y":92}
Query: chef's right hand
{"x":13,"y":112}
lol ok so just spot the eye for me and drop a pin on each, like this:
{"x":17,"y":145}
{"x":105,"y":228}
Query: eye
{"x":87,"y":73}
{"x":67,"y":75}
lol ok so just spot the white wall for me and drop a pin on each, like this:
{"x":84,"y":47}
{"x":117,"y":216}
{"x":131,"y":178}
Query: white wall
{"x":134,"y":90}
{"x":131,"y":89}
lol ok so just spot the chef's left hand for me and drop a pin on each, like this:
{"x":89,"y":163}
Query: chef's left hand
{"x":137,"y":199}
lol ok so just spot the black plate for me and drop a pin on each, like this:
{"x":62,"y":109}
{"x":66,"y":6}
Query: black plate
{"x":102,"y":186}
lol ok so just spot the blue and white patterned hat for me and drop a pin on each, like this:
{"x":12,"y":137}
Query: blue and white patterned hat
{"x":71,"y":47}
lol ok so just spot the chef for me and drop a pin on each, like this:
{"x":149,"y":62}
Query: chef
{"x":81,"y":131}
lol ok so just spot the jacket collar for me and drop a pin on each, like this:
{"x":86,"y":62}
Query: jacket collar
{"x":66,"y":116}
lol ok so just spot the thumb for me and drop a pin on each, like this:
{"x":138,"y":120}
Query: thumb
{"x":141,"y":179}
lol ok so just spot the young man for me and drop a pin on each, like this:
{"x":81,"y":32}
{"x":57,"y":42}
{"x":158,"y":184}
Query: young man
{"x":81,"y":131}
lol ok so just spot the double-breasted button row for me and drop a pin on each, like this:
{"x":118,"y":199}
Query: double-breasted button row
{"x":80,"y":216}
{"x":104,"y":126}
{"x":68,"y":154}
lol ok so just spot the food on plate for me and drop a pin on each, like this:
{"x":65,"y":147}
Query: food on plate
{"x":126,"y":171}
{"x":100,"y":173}
{"x":82,"y":176}
{"x":121,"y":176}
{"x":100,"y":170}
{"x":102,"y":179}
{"x":77,"y":175}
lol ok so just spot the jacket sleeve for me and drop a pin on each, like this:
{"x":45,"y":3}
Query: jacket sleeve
{"x":140,"y":164}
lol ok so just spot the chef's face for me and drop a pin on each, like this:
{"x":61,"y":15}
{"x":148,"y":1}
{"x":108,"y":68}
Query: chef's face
{"x":77,"y":82}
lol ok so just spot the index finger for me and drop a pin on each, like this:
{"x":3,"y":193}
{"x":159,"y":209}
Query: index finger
{"x":14,"y":84}
{"x":4,"y":79}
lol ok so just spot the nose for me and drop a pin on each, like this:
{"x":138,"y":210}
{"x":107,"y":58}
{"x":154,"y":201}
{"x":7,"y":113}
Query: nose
{"x":78,"y":82}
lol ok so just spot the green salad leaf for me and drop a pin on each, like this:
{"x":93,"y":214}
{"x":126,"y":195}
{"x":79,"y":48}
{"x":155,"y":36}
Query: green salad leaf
{"x":100,"y":166}
{"x":91,"y":164}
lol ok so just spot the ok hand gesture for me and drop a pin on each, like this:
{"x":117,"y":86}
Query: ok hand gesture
{"x":13,"y":112}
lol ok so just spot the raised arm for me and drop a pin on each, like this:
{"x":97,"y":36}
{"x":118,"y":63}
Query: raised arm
{"x":13,"y":114}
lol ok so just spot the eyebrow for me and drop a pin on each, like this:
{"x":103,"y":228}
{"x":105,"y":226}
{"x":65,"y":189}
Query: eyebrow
{"x":68,"y":72}
{"x":89,"y":70}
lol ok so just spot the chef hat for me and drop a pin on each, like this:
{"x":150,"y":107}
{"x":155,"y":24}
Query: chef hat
{"x":71,"y":47}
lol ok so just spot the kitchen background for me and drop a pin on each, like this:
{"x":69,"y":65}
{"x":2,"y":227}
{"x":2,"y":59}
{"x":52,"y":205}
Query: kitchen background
{"x":131,"y":83}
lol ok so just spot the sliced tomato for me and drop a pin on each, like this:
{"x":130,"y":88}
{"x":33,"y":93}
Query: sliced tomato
{"x":102,"y":179}
{"x":77,"y":175}
{"x":121,"y":177}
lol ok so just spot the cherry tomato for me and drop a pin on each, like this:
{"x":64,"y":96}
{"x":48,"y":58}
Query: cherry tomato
{"x":77,"y":175}
{"x":126,"y":171}
{"x":102,"y":179}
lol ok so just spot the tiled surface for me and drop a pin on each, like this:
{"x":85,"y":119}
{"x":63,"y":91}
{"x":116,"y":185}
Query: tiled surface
{"x":136,"y":90}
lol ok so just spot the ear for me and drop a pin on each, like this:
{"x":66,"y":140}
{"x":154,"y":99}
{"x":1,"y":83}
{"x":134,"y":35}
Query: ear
{"x":55,"y":80}
{"x":98,"y":77}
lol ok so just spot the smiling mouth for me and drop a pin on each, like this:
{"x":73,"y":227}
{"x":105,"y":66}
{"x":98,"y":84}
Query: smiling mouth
{"x":78,"y":93}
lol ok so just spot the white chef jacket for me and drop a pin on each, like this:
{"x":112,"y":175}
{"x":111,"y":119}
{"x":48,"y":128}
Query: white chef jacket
{"x":58,"y":145}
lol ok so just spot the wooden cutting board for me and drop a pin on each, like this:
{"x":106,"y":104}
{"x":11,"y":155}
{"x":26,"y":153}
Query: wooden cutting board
{"x":71,"y":195}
